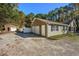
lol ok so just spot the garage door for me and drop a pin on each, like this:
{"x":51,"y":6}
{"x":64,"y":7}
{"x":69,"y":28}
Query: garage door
{"x":36,"y":29}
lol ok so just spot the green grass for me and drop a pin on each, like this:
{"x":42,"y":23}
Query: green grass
{"x":70,"y":36}
{"x":57,"y":37}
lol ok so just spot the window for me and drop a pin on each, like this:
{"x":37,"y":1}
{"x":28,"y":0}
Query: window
{"x":54,"y":27}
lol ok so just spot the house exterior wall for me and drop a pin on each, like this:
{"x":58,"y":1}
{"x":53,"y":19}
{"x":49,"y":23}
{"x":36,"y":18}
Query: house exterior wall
{"x":26,"y":30}
{"x":43,"y":30}
{"x":52,"y":33}
{"x":36,"y":29}
{"x":10,"y":28}
{"x":72,"y":26}
{"x":13,"y":28}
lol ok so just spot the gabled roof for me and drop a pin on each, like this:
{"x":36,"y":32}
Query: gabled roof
{"x":67,"y":21}
{"x":49,"y":22}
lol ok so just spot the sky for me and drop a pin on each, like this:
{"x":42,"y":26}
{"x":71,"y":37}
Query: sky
{"x":36,"y":8}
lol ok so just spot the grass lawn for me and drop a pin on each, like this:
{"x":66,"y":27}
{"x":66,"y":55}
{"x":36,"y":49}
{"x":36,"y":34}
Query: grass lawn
{"x":70,"y":36}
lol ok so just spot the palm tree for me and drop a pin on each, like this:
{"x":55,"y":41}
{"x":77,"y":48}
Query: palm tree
{"x":51,"y":15}
{"x":61,"y":14}
{"x":56,"y":14}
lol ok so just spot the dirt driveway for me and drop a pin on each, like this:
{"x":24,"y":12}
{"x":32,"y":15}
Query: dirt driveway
{"x":13,"y":44}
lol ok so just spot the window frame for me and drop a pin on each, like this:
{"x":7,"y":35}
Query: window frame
{"x":64,"y":28}
{"x":54,"y":28}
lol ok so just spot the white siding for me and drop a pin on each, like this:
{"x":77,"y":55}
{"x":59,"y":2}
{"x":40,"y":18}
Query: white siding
{"x":26,"y":30}
{"x":52,"y":33}
{"x":35,"y":29}
{"x":43,"y":30}
{"x":13,"y":28}
{"x":72,"y":24}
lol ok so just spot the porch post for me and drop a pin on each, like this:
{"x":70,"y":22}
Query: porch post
{"x":46,"y":30}
{"x":40,"y":29}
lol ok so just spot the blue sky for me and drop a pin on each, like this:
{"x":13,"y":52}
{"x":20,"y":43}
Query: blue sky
{"x":39,"y":7}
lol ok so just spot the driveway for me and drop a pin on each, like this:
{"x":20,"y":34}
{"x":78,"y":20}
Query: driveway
{"x":27,"y":35}
{"x":34,"y":45}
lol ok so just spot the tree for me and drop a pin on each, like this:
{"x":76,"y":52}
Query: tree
{"x":28,"y":19}
{"x":8,"y":13}
{"x":42,"y":16}
{"x":21,"y":19}
{"x":51,"y":15}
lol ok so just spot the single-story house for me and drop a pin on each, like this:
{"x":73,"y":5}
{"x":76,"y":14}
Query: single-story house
{"x":9,"y":28}
{"x":48,"y":28}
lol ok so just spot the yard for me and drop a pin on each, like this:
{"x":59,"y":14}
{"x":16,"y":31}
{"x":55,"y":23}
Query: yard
{"x":12,"y":44}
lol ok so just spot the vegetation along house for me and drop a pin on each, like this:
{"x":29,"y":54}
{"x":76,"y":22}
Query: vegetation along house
{"x":48,"y":28}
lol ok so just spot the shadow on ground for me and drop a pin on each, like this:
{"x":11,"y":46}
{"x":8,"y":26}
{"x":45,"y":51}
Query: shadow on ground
{"x":26,"y":35}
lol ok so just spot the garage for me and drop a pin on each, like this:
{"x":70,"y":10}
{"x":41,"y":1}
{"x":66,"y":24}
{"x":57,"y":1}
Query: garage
{"x":36,"y":29}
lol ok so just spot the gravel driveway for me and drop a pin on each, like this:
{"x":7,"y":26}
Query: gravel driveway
{"x":34,"y":45}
